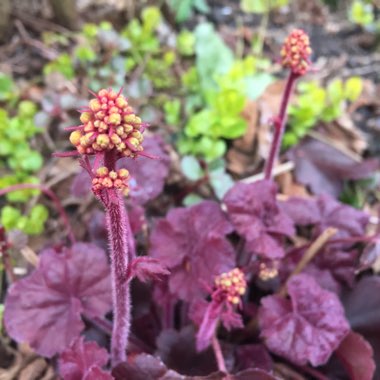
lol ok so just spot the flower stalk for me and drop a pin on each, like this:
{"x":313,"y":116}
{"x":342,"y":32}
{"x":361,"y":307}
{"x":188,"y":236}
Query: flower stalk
{"x":295,"y":55}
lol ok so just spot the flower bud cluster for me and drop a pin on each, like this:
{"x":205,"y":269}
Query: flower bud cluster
{"x":109,"y":123}
{"x":105,"y":179}
{"x":231,"y":286}
{"x":296,"y":52}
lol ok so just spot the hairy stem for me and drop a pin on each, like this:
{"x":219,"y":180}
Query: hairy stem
{"x":279,"y":125}
{"x":218,"y":354}
{"x":117,"y":234}
{"x":122,"y":249}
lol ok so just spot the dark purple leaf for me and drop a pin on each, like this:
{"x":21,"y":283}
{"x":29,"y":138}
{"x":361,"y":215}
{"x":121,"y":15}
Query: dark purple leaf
{"x":96,"y":373}
{"x":144,"y":367}
{"x":362,"y":305}
{"x":348,"y":220}
{"x":253,"y":356}
{"x":323,"y":168}
{"x":306,"y":328}
{"x":356,"y":355}
{"x":303,"y":211}
{"x":253,"y":374}
{"x":370,"y":254}
{"x":146,"y":268}
{"x":256,"y":216}
{"x":191,"y":243}
{"x":81,"y":185}
{"x":48,"y":303}
{"x":148,"y":175}
{"x":82,"y":359}
{"x":177,"y":350}
{"x":324,"y":212}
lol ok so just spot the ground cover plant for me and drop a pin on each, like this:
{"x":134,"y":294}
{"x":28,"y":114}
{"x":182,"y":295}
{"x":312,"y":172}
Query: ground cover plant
{"x":208,"y":219}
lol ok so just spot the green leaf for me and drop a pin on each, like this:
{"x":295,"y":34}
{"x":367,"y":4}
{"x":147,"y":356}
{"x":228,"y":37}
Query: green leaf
{"x":200,"y":123}
{"x":151,"y":17}
{"x":353,"y":88}
{"x":256,"y":84}
{"x":85,"y":54}
{"x":10,"y":217}
{"x":6,"y":87}
{"x":210,"y":148}
{"x":27,"y":109}
{"x":192,"y":199}
{"x":191,"y":168}
{"x":186,"y":43}
{"x":213,"y":57}
{"x":31,"y":161}
{"x":36,"y":220}
{"x":172,"y":110}
{"x":6,"y":147}
{"x":261,"y":6}
{"x":221,"y":182}
{"x":201,"y":6}
{"x":361,"y":13}
{"x":90,"y":30}
{"x":335,"y":91}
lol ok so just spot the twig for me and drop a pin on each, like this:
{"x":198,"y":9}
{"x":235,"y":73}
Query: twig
{"x":45,"y":51}
{"x":279,"y":169}
{"x":309,"y":255}
{"x":30,"y":256}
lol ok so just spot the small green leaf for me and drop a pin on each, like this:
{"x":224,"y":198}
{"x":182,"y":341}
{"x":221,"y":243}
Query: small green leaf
{"x":192,"y":199}
{"x":10,"y":217}
{"x":27,"y":109}
{"x":191,"y":168}
{"x":186,"y":43}
{"x":151,"y":17}
{"x":85,"y":54}
{"x":221,"y":182}
{"x":353,"y":88}
{"x":335,"y":91}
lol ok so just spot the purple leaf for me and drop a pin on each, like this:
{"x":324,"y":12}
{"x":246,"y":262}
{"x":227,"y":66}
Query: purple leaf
{"x":191,"y":243}
{"x":370,"y":254}
{"x":356,"y":355}
{"x":96,"y":373}
{"x":303,"y":211}
{"x":348,"y":220}
{"x":144,"y":367}
{"x":253,"y":356}
{"x":146,"y":268}
{"x":323,"y":168}
{"x":81,"y":185}
{"x":306,"y":328}
{"x":362,"y":305}
{"x":256,"y":216}
{"x":83,"y":360}
{"x":253,"y":374}
{"x":49,"y":302}
{"x":148,"y":175}
{"x":177,"y":350}
{"x":324,"y":212}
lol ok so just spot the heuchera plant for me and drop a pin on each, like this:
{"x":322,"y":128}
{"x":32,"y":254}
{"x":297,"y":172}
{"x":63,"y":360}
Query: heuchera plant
{"x":241,"y":285}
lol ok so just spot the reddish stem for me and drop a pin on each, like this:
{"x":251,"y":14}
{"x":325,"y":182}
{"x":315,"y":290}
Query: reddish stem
{"x":120,"y":242}
{"x":51,"y":195}
{"x":279,"y":125}
{"x":218,"y":354}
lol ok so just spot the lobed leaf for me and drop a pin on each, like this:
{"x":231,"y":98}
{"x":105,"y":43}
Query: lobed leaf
{"x":49,"y":302}
{"x":307,"y":328}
